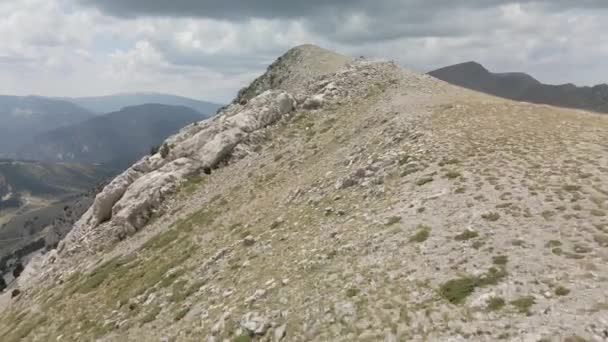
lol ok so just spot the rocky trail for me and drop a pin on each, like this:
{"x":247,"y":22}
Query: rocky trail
{"x":342,"y":200}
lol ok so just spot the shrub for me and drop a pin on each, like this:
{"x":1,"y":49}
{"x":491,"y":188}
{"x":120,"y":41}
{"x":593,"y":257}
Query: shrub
{"x":492,"y":217}
{"x":495,"y":304}
{"x":561,"y":291}
{"x":456,"y":290}
{"x":466,"y":235}
{"x":523,"y":304}
{"x":421,"y":235}
{"x":164,"y":150}
{"x":154,"y":150}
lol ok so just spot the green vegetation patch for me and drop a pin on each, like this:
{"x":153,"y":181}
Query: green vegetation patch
{"x":192,"y":184}
{"x":102,"y":272}
{"x":500,"y":260}
{"x":243,"y":338}
{"x":200,"y":218}
{"x":492,"y":217}
{"x":492,"y":277}
{"x":523,"y":304}
{"x":561,"y":291}
{"x":421,"y":235}
{"x":161,"y":240}
{"x":181,"y":314}
{"x":495,"y":304}
{"x":352,"y":292}
{"x":392,"y":220}
{"x":457,"y":290}
{"x":453,"y":175}
{"x":572,"y":188}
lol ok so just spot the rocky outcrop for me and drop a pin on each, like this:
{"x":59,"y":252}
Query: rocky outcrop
{"x":128,"y":202}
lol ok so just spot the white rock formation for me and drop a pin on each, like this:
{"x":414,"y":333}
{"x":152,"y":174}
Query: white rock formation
{"x":131,"y":198}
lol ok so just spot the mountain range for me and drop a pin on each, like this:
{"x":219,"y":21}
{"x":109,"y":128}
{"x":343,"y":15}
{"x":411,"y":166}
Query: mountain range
{"x":24,"y":117}
{"x":116,"y":102}
{"x":116,"y":138}
{"x":52,"y":129}
{"x":523,"y":87}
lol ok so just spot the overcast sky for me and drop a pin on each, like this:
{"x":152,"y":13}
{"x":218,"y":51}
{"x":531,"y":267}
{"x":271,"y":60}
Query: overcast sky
{"x":209,"y":49}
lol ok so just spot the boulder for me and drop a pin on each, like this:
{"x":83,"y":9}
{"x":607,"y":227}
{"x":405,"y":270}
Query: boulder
{"x":149,"y":190}
{"x":314,"y":102}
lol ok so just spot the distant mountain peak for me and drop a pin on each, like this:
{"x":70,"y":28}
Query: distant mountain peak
{"x":470,"y":66}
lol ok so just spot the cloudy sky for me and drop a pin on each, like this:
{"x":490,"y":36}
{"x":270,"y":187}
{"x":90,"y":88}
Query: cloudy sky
{"x":209,"y":49}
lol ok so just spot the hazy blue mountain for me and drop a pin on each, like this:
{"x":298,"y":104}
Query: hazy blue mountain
{"x":22,"y":117}
{"x":113,"y":103}
{"x":523,"y":87}
{"x":117,"y":138}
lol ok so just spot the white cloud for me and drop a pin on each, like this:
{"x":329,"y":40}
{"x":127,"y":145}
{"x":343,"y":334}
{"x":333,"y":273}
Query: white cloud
{"x":56,"y":47}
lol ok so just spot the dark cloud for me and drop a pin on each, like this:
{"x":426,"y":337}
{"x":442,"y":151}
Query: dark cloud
{"x":238,"y":9}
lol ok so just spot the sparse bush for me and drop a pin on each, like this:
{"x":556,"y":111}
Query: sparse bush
{"x":154,"y":150}
{"x":500,"y":260}
{"x":453,"y":175}
{"x":466,"y":235}
{"x":492,"y":277}
{"x":164,"y":150}
{"x":421,"y":235}
{"x":492,"y":217}
{"x":243,"y":338}
{"x":457,"y":290}
{"x":572,"y":188}
{"x":18,"y":270}
{"x":352,"y":292}
{"x":561,"y":291}
{"x":495,"y":304}
{"x":523,"y":304}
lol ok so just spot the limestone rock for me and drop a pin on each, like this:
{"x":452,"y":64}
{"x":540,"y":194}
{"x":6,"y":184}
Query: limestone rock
{"x":314,"y":102}
{"x":255,"y":323}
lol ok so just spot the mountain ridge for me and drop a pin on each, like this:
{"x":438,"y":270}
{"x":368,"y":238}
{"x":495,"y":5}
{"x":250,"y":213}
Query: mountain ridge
{"x":354,"y":201}
{"x":520,"y":86}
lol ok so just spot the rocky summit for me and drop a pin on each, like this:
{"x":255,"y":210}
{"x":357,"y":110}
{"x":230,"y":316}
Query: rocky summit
{"x":341,"y":199}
